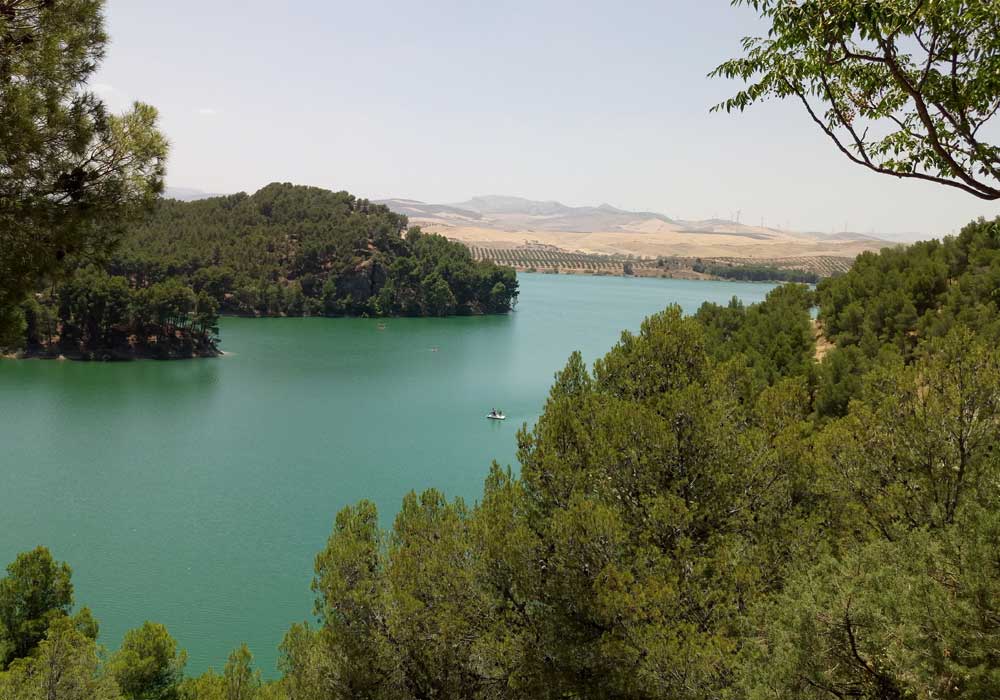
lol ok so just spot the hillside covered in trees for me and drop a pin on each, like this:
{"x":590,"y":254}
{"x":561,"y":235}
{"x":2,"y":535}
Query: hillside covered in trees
{"x":284,"y":251}
{"x":706,"y":512}
{"x":292,"y":250}
{"x":904,"y":295}
{"x":894,"y":303}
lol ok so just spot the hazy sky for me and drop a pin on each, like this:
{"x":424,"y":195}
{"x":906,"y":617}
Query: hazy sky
{"x":577,"y":101}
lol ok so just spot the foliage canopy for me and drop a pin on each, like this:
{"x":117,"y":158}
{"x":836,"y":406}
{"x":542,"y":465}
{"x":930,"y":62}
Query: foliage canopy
{"x":71,"y":173}
{"x":907,"y":88}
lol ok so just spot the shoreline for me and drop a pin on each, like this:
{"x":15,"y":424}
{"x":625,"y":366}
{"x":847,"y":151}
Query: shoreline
{"x":117,"y":356}
{"x":111,"y":355}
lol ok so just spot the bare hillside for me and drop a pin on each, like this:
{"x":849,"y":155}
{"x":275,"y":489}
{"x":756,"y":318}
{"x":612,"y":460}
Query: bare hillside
{"x":511,"y":223}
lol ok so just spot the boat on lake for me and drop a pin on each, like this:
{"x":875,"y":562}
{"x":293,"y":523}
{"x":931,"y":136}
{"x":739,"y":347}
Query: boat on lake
{"x":496,"y":415}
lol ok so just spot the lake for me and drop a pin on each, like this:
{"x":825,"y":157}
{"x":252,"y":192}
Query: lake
{"x":197,"y":493}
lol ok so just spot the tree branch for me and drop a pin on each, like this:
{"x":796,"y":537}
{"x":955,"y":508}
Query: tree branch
{"x":880,"y":169}
{"x":932,"y":132}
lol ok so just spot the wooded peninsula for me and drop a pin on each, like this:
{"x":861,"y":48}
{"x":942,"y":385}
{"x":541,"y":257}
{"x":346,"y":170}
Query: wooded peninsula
{"x":284,"y":251}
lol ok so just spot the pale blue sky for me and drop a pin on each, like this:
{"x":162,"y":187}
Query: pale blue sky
{"x":582,"y":102}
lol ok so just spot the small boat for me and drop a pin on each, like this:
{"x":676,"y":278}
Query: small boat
{"x":494,"y":415}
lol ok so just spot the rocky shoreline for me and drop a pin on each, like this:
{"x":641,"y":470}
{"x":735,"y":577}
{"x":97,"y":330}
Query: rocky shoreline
{"x":182,"y":347}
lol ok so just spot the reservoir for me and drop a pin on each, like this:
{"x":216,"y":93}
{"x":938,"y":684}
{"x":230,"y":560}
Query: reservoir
{"x":197,"y":493}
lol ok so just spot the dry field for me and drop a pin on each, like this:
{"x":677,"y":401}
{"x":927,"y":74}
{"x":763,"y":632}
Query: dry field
{"x":659,"y":241}
{"x":552,"y":237}
{"x":541,"y":258}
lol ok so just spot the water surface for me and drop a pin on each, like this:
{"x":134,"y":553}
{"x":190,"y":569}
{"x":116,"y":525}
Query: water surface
{"x":197,"y":493}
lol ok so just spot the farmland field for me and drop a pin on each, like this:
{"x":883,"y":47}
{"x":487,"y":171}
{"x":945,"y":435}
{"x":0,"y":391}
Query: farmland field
{"x":545,"y":258}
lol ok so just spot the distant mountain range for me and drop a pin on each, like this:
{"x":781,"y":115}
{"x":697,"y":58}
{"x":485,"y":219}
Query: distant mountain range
{"x":513,"y":222}
{"x":518,"y":214}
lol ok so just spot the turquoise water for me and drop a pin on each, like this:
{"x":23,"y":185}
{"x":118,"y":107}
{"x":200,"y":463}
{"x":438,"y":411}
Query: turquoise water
{"x":197,"y":493}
